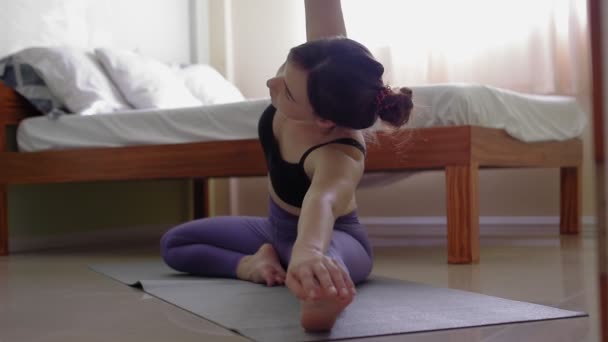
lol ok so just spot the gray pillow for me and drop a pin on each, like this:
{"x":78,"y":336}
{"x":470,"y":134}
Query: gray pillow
{"x":26,"y":81}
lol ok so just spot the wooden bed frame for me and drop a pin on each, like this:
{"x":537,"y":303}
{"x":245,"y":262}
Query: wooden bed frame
{"x":460,"y":150}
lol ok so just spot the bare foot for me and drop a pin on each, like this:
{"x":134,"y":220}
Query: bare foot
{"x":262,"y":267}
{"x":321,"y":314}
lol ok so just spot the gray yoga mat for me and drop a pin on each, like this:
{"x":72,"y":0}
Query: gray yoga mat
{"x":382,"y":306}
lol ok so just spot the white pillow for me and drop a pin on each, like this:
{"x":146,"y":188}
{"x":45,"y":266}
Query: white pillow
{"x":208,"y":85}
{"x":145,"y":82}
{"x":74,"y":77}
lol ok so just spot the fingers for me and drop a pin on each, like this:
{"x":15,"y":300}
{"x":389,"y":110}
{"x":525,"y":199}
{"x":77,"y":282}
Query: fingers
{"x":309,"y":283}
{"x":295,"y":286}
{"x":324,"y":275}
{"x":339,"y":280}
{"x":323,"y":278}
{"x":348,"y":282}
{"x":303,"y":283}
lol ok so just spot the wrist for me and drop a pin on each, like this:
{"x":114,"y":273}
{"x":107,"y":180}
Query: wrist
{"x":305,"y":248}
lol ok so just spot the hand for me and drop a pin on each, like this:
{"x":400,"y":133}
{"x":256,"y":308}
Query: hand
{"x":312,"y":275}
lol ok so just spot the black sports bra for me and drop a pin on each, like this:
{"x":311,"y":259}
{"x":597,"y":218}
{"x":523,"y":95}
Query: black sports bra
{"x":289,"y":180}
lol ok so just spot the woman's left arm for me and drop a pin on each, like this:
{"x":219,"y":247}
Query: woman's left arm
{"x":334,"y":181}
{"x":324,"y":18}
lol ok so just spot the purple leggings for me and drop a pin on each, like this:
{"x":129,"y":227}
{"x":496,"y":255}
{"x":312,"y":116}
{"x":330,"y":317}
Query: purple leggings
{"x":213,"y":246}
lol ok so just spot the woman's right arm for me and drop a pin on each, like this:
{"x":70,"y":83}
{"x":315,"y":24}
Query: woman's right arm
{"x":324,"y":19}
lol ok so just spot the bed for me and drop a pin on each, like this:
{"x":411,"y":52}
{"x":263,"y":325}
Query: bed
{"x":459,"y":150}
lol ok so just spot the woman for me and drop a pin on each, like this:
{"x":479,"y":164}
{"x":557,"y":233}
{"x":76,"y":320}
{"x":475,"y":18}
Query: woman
{"x":323,"y":96}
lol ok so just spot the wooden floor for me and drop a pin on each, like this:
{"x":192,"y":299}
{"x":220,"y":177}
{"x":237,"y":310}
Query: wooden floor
{"x":52,"y":296}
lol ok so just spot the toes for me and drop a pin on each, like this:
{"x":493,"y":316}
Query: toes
{"x":268,"y":276}
{"x":272,"y":276}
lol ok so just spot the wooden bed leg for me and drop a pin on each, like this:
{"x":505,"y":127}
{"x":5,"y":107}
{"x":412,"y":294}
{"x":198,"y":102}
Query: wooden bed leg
{"x":463,"y":213}
{"x":570,"y":200}
{"x":200,"y":197}
{"x":3,"y":220}
{"x":3,"y":201}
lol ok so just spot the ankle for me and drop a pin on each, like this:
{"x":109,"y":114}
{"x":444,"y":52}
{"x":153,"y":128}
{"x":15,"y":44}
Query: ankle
{"x":241,"y":267}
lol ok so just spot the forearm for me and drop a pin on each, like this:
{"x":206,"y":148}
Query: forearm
{"x":316,"y":224}
{"x":324,"y":19}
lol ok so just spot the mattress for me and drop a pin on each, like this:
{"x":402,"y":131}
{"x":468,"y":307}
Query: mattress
{"x":525,"y":117}
{"x":230,"y":121}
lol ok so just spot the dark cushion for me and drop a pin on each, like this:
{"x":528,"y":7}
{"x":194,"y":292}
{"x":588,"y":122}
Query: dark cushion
{"x":26,"y":81}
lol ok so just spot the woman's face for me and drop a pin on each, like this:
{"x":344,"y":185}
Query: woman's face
{"x":288,"y":92}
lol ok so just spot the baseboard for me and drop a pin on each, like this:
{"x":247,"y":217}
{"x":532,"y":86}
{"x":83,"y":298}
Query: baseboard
{"x":382,"y":231}
{"x":483,"y":220}
{"x":432,"y":230}
{"x":106,"y":236}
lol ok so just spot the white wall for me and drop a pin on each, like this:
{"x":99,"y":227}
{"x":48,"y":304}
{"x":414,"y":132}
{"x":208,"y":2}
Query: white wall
{"x":157,"y":28}
{"x":251,"y":39}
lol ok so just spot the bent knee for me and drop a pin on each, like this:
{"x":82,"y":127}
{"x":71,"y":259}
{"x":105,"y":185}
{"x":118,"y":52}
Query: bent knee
{"x":361,"y":271}
{"x":170,"y":251}
{"x":171,"y":239}
{"x":358,"y":268}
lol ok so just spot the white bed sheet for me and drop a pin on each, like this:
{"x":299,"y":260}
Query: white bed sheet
{"x":229,"y":121}
{"x":525,"y":117}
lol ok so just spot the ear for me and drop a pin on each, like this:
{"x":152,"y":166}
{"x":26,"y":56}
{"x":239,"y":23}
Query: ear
{"x":325,"y":124}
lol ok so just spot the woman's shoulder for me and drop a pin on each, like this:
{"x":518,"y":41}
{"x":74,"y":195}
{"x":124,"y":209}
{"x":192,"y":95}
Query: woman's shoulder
{"x":352,"y":146}
{"x":351,"y":143}
{"x":344,"y":153}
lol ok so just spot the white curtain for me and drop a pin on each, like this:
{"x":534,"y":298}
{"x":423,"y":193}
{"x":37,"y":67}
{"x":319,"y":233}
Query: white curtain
{"x":534,"y":46}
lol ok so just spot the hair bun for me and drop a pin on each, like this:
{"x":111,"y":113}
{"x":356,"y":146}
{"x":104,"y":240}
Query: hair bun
{"x":406,"y":91}
{"x":396,"y":107}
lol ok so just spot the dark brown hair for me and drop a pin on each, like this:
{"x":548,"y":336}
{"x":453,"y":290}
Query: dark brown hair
{"x":345,"y":83}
